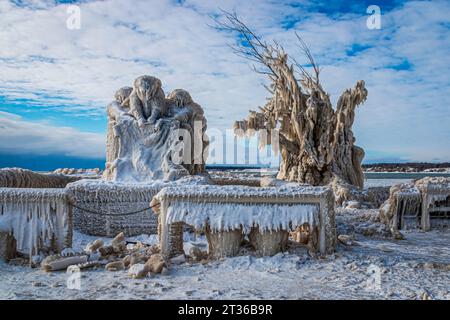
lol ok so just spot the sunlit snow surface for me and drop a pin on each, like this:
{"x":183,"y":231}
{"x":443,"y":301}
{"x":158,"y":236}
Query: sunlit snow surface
{"x":375,"y":268}
{"x":404,"y":268}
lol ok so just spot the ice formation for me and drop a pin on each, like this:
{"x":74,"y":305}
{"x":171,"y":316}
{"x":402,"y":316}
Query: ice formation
{"x":151,"y":140}
{"x":228,"y":208}
{"x":403,"y":208}
{"x":223,"y":216}
{"x":424,"y":204}
{"x":316,"y":142}
{"x":39,"y":219}
{"x":61,"y":262}
{"x":23,"y":178}
{"x":151,"y":137}
{"x":435,"y":202}
{"x":105,"y":208}
{"x":372,"y":196}
{"x":229,"y":178}
{"x":8,"y":248}
{"x":114,"y":256}
{"x":227,"y":193}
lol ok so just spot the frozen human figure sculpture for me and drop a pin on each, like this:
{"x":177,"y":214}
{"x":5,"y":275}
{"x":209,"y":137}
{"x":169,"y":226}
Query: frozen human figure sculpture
{"x":151,"y":137}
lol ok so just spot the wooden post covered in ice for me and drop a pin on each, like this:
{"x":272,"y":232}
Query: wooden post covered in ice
{"x":423,"y":204}
{"x":435,"y":202}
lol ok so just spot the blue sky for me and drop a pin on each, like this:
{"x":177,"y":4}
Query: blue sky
{"x":55,"y":83}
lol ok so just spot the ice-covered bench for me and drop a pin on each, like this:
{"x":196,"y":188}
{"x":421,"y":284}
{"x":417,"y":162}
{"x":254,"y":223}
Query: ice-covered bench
{"x":226,"y":212}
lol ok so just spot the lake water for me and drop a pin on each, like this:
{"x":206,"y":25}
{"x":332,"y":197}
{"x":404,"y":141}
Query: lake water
{"x":382,"y":179}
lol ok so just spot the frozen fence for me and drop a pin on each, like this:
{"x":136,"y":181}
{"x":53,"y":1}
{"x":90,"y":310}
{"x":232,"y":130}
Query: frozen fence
{"x":106,"y":208}
{"x":39,"y":219}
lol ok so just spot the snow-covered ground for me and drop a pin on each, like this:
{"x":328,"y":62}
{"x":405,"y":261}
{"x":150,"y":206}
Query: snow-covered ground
{"x":375,"y":267}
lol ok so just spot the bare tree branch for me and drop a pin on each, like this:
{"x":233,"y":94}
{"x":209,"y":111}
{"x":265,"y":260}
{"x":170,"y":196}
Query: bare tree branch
{"x":252,"y":48}
{"x":307,"y":52}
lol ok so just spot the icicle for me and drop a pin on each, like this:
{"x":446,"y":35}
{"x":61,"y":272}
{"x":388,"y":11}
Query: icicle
{"x":33,"y":217}
{"x":229,"y":216}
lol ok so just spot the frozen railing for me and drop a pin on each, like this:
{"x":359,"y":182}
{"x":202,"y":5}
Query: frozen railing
{"x":423,"y":204}
{"x":105,"y":208}
{"x":435,"y":202}
{"x":228,"y":208}
{"x":38,"y":219}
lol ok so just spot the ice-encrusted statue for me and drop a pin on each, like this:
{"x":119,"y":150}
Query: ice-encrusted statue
{"x":146,"y":101}
{"x":191,"y":117}
{"x":151,"y":137}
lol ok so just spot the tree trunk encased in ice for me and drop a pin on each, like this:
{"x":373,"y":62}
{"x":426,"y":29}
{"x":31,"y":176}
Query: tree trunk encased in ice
{"x":316,"y":142}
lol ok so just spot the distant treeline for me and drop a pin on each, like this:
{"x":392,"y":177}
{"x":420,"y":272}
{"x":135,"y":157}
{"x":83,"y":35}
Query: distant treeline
{"x":417,"y":166}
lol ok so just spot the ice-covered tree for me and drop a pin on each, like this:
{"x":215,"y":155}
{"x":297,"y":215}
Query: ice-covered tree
{"x":316,"y":141}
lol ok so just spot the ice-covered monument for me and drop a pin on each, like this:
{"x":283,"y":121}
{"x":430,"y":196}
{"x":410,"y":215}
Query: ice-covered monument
{"x":152,"y":137}
{"x":152,"y":140}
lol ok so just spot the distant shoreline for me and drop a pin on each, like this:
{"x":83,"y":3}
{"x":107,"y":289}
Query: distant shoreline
{"x":373,"y":168}
{"x":407,"y":167}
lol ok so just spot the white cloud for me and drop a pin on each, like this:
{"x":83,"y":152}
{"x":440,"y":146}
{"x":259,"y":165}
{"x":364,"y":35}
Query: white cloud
{"x":118,"y":42}
{"x":407,"y":112}
{"x":19,"y":136}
